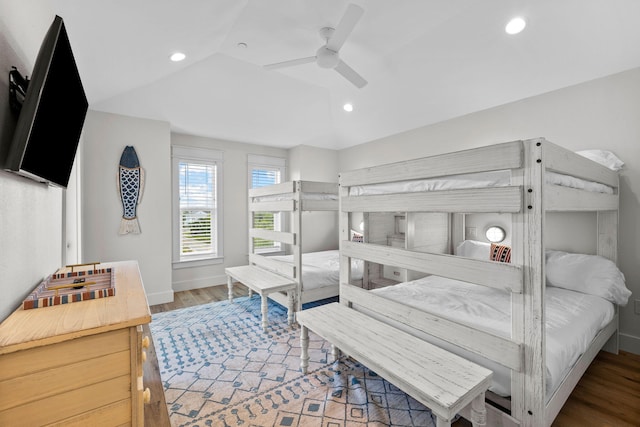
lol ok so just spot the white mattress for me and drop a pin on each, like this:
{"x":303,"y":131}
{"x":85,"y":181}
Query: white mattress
{"x":501,"y":178}
{"x":572,"y":321}
{"x":322,"y":268}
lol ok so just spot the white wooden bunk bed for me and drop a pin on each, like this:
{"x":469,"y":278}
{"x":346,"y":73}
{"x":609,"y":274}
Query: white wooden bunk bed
{"x":527,"y":195}
{"x":316,"y":274}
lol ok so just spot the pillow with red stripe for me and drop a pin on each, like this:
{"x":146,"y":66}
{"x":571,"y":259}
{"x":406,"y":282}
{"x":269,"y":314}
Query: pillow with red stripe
{"x":500,"y":253}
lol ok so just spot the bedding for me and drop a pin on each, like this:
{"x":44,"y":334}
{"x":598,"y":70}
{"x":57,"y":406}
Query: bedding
{"x":589,"y":274}
{"x":474,"y":249}
{"x":500,"y":178}
{"x":322,"y":268}
{"x":604,"y":157}
{"x":572,"y":320}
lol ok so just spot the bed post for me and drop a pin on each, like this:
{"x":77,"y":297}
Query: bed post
{"x":297,"y":244}
{"x":344,"y":229}
{"x":608,"y":248}
{"x":457,"y":234}
{"x":251,"y":215}
{"x":528,"y":385}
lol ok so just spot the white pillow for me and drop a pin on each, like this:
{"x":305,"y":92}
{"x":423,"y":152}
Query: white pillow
{"x":605,"y":158}
{"x":589,"y":274}
{"x":474,"y":249}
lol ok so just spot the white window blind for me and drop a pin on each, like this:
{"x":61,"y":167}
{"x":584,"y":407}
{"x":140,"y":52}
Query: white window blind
{"x":197,"y":223}
{"x":269,"y":171}
{"x":261,"y":177}
{"x":197,"y":183}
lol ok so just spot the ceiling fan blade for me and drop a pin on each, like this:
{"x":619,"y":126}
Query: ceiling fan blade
{"x":290,"y":63}
{"x":349,"y":74}
{"x":344,"y":28}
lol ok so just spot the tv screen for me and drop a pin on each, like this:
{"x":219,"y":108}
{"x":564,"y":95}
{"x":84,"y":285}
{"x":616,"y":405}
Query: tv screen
{"x":51,"y":118}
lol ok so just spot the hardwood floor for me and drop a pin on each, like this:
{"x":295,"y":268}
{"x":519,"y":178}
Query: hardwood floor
{"x":608,"y":395}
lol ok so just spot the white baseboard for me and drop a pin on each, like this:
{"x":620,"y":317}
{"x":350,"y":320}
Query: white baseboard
{"x":187,"y":285}
{"x":160,"y":297}
{"x":629,"y":343}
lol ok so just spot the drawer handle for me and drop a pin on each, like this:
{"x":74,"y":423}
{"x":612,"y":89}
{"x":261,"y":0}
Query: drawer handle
{"x":146,"y":395}
{"x":145,"y":342}
{"x":144,"y":356}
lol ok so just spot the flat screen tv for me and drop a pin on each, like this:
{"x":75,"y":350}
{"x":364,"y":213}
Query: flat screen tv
{"x":52,"y":115}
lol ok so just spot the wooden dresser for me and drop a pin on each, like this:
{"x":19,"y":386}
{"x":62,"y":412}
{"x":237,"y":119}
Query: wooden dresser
{"x":77,"y":364}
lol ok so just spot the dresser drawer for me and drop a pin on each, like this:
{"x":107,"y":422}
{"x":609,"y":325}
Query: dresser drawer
{"x":59,"y":381}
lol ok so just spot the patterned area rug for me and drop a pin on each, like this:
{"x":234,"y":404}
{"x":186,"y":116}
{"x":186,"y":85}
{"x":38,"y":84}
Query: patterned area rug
{"x":220,"y":369}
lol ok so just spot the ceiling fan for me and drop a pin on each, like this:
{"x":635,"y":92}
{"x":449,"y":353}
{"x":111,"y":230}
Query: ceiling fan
{"x":327,"y":56}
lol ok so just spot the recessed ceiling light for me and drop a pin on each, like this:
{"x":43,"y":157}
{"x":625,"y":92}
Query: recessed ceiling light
{"x":177,"y":57}
{"x":348,"y":107}
{"x":515,"y":25}
{"x":242,"y":45}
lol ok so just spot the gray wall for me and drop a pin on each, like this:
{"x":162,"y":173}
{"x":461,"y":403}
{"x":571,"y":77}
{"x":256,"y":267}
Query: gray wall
{"x":603,"y":113}
{"x":105,"y":136}
{"x":30,"y":213}
{"x":319,"y":229}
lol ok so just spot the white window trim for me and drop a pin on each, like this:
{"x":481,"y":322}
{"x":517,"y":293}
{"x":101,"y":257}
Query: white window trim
{"x":268,"y":162}
{"x":181,"y":153}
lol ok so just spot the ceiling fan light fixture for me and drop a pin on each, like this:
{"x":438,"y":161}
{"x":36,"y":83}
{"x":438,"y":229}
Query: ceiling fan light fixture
{"x":327,"y":58}
{"x":177,"y":56}
{"x":515,"y":25}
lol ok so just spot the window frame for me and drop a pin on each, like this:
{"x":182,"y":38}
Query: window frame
{"x":268,"y":163}
{"x":181,"y":154}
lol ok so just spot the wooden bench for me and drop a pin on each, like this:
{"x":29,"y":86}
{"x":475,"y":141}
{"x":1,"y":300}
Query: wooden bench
{"x":442,"y":381}
{"x":263,"y":282}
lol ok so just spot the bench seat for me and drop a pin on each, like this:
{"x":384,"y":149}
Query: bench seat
{"x":263,"y":282}
{"x":442,"y":381}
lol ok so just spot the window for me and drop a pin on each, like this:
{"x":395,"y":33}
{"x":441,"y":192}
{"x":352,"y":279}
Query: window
{"x":263,"y":171}
{"x":197,"y":193}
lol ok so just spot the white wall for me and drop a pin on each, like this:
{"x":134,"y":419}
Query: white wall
{"x":30,"y":213}
{"x":564,"y":231}
{"x":319,"y":229}
{"x":235,"y":215}
{"x":604,"y":113}
{"x":105,"y":137}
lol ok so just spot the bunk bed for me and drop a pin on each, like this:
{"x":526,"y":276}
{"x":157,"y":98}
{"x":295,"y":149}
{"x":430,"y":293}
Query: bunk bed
{"x":316,"y":274}
{"x":526,"y":179}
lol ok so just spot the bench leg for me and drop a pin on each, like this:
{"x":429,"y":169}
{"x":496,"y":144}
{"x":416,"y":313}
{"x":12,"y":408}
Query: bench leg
{"x":290,"y":309}
{"x":442,"y":423}
{"x":335,"y":352}
{"x":264,"y":308}
{"x":478,"y":411}
{"x":304,"y":349}
{"x":250,"y":292}
{"x":230,"y":288}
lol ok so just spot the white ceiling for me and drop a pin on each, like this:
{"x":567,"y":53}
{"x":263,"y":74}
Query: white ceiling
{"x":425,"y":61}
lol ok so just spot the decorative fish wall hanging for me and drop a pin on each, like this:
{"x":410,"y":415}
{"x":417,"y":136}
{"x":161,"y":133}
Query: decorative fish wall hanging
{"x":130,"y":187}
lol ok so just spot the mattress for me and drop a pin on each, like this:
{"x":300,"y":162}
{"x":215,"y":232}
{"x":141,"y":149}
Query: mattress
{"x":500,"y":178}
{"x":572,"y":321}
{"x":322,"y":268}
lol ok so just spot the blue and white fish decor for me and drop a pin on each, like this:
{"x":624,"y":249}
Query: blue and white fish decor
{"x":130,"y":186}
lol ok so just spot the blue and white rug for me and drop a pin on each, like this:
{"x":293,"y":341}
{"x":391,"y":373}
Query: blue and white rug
{"x":220,"y":369}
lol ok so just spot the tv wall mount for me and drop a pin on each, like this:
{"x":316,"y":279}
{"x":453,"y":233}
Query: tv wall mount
{"x":17,"y":90}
